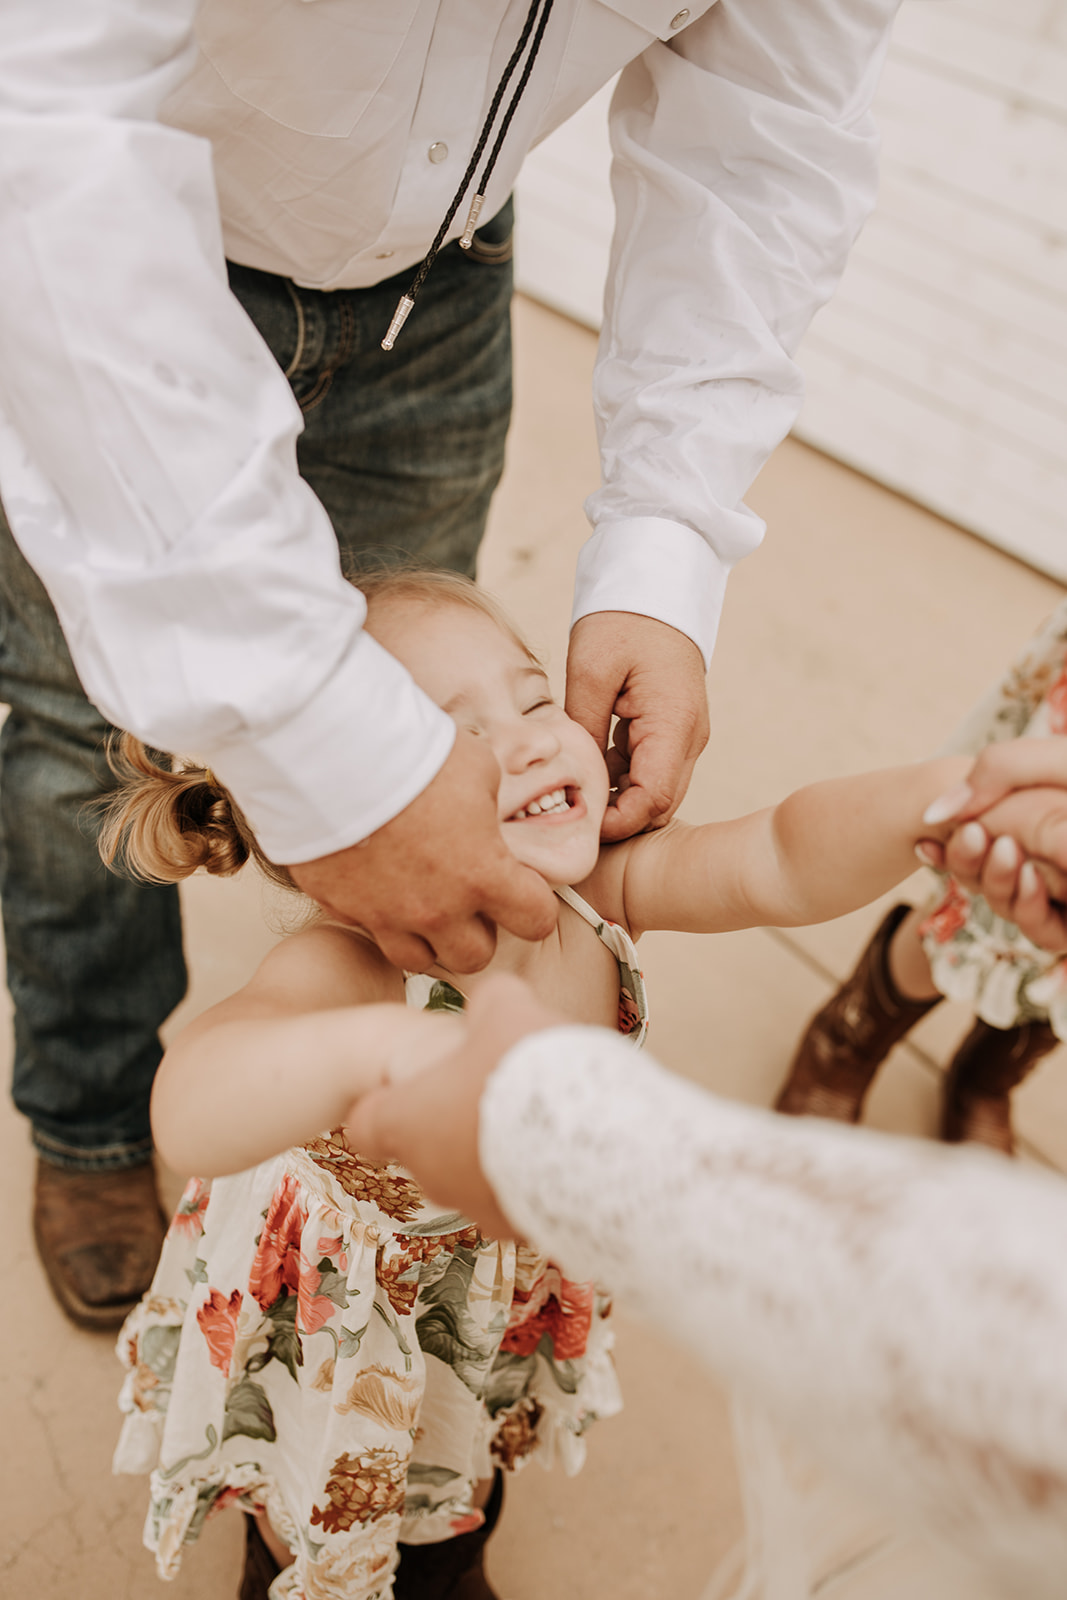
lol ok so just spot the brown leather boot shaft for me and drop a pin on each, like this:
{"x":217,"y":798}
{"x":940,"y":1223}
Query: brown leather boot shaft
{"x":260,"y":1568}
{"x":846,"y":1042}
{"x":988,"y":1065}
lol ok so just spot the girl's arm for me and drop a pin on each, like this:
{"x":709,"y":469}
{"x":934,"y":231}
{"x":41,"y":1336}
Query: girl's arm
{"x":284,"y":1058}
{"x":823,"y":851}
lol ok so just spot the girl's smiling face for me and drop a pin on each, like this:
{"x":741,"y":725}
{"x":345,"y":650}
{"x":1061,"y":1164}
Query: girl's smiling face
{"x":553,"y":781}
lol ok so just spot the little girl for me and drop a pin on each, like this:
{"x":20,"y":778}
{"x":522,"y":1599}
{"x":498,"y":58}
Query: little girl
{"x":321,"y":1345}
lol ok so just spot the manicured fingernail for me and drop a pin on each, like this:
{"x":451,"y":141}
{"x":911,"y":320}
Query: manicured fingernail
{"x":927,"y":854}
{"x":1029,"y":881}
{"x":949,"y":804}
{"x":1005,"y":851}
{"x":973,"y":839}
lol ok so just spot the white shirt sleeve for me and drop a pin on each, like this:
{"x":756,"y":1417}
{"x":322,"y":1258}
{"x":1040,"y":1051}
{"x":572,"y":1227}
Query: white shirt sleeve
{"x":745,"y":162}
{"x":898,"y":1306}
{"x":147,"y":449}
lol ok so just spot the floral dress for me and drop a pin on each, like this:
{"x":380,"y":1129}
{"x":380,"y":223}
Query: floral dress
{"x":321,"y":1343}
{"x":974,"y":955}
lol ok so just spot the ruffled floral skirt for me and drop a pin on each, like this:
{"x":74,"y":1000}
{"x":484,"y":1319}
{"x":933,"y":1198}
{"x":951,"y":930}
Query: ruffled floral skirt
{"x":974,"y":955}
{"x":320,"y":1344}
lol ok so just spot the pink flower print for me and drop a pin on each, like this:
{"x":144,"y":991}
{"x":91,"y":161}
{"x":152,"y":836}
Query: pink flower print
{"x":948,"y":917}
{"x":218,"y":1323}
{"x":188,"y":1220}
{"x":332,"y":1247}
{"x":1056,"y":700}
{"x":277,"y":1260}
{"x":555,"y":1306}
{"x":313,"y":1310}
{"x":629,"y":1015}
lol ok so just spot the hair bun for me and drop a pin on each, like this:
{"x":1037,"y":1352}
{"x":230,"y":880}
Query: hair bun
{"x":164,"y":824}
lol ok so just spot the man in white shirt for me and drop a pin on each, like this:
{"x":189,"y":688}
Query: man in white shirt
{"x":149,"y":455}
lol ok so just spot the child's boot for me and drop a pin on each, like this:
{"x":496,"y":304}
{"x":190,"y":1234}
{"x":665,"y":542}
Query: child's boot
{"x":260,"y":1568}
{"x":847,"y":1041}
{"x":454,"y":1568}
{"x":988,"y":1065}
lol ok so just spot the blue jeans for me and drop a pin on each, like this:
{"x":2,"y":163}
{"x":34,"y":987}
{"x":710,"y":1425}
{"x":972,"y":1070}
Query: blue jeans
{"x":404,"y":449}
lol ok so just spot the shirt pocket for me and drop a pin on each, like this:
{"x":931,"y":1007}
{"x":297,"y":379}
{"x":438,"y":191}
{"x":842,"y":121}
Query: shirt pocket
{"x":314,"y":66}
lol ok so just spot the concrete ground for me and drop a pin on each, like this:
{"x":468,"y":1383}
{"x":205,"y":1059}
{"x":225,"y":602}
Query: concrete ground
{"x":857,"y":636}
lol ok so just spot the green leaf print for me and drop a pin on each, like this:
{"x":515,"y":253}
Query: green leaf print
{"x":248,"y":1412}
{"x":394,"y":1328}
{"x":197,"y":1273}
{"x":283,"y":1341}
{"x":508,"y":1380}
{"x":418,"y":1473}
{"x":447,"y":1330}
{"x":451,"y":1222}
{"x":158,"y":1349}
{"x":333,"y":1285}
{"x":443,"y":997}
{"x":351,"y":1341}
{"x":179,"y":1466}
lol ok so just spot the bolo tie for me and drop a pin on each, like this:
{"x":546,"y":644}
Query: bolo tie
{"x":536,"y":21}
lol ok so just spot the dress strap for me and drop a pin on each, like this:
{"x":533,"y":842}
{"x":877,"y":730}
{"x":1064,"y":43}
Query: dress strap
{"x":633,"y":1003}
{"x":572,"y":898}
{"x":427,"y":993}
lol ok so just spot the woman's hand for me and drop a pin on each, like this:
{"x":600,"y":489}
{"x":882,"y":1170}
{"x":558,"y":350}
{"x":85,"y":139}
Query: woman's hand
{"x":429,"y":1121}
{"x":1016,"y":854}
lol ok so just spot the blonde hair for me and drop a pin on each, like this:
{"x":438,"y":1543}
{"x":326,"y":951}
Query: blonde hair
{"x":166,"y":821}
{"x":163,"y":823}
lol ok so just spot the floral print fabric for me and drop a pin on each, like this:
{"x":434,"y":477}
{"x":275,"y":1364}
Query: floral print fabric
{"x":321,"y":1344}
{"x":974,"y":955}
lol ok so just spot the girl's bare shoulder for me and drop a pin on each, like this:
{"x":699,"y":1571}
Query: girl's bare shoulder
{"x":321,"y":968}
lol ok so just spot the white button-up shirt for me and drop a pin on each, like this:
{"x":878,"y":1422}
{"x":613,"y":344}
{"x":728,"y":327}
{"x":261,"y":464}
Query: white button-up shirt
{"x":147,"y":438}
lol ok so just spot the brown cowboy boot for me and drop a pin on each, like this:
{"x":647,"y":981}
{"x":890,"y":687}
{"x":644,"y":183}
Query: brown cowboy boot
{"x":453,"y":1569}
{"x":98,"y":1235}
{"x":988,"y":1065}
{"x":847,"y":1041}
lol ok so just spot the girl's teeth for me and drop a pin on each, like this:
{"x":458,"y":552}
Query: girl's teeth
{"x":556,"y":801}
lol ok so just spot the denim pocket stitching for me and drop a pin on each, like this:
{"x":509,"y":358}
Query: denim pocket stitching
{"x":301,"y":329}
{"x":491,"y":254}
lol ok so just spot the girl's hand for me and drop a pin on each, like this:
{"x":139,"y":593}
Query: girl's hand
{"x":429,"y":1122}
{"x":423,"y":1039}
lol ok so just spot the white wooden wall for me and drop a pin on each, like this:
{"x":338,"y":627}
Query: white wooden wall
{"x":940,"y":368}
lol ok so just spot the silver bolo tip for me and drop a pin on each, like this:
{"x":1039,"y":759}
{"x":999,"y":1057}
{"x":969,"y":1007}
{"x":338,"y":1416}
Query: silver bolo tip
{"x":472,"y":221}
{"x":400,"y":316}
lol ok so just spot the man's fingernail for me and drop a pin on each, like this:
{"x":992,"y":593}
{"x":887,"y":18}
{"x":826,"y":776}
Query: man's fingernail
{"x":949,"y":804}
{"x":927,"y":854}
{"x":973,"y":839}
{"x":1005,"y":851}
{"x":1029,"y":881}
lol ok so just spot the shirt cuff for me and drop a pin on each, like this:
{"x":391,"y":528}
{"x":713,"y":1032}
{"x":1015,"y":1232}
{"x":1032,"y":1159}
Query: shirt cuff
{"x":655,"y":568}
{"x":349,"y":761}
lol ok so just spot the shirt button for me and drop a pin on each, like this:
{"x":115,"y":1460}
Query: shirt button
{"x":383,"y":255}
{"x":439,"y":152}
{"x":679,"y":18}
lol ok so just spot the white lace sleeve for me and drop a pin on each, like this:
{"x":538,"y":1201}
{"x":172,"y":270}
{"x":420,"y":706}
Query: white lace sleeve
{"x":900,"y":1307}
